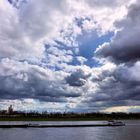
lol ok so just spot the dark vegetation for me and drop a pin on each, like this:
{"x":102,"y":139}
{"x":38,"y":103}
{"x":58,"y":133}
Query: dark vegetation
{"x":66,"y":116}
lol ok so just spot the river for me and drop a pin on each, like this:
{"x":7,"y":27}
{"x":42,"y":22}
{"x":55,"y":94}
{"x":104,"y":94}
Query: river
{"x":129,"y":132}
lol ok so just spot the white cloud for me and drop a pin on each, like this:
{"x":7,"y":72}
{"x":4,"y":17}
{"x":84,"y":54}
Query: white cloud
{"x":33,"y":71}
{"x":24,"y":31}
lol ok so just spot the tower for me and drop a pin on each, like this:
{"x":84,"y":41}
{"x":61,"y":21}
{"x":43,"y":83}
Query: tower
{"x":10,"y":109}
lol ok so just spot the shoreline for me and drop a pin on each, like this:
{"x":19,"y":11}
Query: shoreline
{"x":65,"y":119}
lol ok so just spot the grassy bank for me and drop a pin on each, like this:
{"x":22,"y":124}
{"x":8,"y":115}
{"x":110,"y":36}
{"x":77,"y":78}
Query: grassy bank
{"x":61,"y":119}
{"x":51,"y":119}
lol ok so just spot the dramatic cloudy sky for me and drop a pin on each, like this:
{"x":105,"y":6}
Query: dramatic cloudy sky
{"x":70,"y":55}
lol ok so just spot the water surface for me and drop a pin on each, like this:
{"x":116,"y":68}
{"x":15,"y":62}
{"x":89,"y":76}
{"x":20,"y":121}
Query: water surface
{"x":129,"y":132}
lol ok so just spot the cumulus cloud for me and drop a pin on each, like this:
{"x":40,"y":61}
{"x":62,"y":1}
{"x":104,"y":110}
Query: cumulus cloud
{"x":118,"y":86}
{"x":24,"y":31}
{"x":41,"y":59}
{"x":14,"y":41}
{"x":77,"y":78}
{"x":22,"y":80}
{"x":121,"y":85}
{"x":125,"y":45}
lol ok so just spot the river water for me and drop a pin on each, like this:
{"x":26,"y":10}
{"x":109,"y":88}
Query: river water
{"x":129,"y":132}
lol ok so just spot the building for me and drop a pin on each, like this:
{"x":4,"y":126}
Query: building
{"x":10,"y":109}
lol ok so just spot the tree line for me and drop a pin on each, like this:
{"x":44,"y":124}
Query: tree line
{"x":45,"y":114}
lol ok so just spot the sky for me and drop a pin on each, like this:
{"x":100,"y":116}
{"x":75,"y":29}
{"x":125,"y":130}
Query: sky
{"x":70,"y":55}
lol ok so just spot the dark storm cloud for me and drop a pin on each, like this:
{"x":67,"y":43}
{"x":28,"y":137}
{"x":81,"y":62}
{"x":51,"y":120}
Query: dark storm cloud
{"x":32,"y":82}
{"x":126,"y":44}
{"x":116,"y":88}
{"x":77,"y":78}
{"x":121,"y":86}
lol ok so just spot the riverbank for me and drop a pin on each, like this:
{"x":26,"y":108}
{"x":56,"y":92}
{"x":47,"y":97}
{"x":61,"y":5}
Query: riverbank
{"x":62,"y":119}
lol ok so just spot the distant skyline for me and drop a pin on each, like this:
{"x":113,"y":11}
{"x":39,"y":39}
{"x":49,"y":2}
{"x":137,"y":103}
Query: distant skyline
{"x":70,"y":55}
